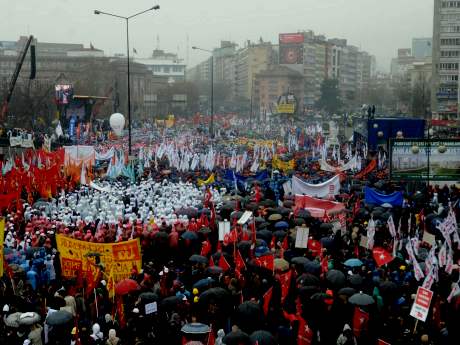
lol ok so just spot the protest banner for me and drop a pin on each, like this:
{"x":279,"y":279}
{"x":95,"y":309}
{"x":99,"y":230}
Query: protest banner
{"x":79,"y":256}
{"x":421,"y":305}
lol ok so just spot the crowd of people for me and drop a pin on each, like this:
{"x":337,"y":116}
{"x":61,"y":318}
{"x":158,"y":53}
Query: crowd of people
{"x":209,"y":275}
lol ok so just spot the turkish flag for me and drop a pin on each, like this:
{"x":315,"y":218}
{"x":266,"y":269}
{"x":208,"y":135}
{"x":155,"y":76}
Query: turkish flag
{"x":315,"y":247}
{"x":285,"y":244}
{"x":239,"y":262}
{"x":223,"y":263}
{"x":360,"y":320}
{"x":381,"y":256}
{"x":267,"y":298}
{"x":285,"y":280}
{"x":266,"y":261}
{"x":205,"y":248}
{"x":305,"y":333}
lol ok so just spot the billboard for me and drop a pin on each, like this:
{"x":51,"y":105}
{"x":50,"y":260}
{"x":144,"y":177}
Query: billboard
{"x":425,"y":159}
{"x":291,"y":38}
{"x":63,"y":94}
{"x":291,"y":49}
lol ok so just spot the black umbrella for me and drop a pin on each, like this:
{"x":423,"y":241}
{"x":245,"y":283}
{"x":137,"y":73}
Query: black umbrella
{"x":355,"y":280}
{"x":336,"y":278}
{"x":347,"y":291}
{"x":189,"y":212}
{"x":299,"y":260}
{"x":237,"y":338}
{"x":249,"y":316}
{"x":361,"y":299}
{"x":312,"y":267}
{"x":308,"y":291}
{"x":279,"y":234}
{"x":148,"y":297}
{"x":327,"y":242}
{"x":308,"y":279}
{"x":299,"y":221}
{"x":199,"y":259}
{"x":387,"y":287}
{"x":59,"y":317}
{"x":262,"y":338}
{"x":236,"y":215}
{"x":214,"y":295}
{"x":171,"y":302}
{"x":267,"y":203}
{"x":266,"y":235}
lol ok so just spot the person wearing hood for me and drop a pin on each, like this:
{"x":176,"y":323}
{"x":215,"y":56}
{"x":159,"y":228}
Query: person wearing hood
{"x":113,"y":339}
{"x":96,"y":338}
{"x":347,"y":337}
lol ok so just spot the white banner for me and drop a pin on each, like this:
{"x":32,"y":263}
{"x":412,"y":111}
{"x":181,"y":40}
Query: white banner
{"x":322,"y":190}
{"x":351,"y":164}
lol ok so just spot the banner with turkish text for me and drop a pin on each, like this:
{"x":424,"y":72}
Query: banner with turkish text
{"x":79,"y":256}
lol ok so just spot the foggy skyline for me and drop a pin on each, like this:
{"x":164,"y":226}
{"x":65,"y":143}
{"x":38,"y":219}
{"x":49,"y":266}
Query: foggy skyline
{"x":377,"y":27}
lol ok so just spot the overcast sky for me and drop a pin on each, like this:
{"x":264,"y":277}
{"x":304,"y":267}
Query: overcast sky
{"x":377,"y":26}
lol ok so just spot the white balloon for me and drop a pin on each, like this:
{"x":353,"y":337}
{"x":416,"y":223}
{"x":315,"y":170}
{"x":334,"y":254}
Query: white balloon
{"x":117,"y":122}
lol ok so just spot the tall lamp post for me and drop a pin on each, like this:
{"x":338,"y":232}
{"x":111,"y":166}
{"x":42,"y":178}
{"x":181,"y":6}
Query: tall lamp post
{"x":211,"y":125}
{"x":154,"y":8}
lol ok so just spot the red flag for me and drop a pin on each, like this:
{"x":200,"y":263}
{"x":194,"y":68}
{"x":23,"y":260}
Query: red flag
{"x":211,"y":262}
{"x":273,"y":243}
{"x":315,"y":247}
{"x":239,"y":262}
{"x":267,"y":298}
{"x":245,"y":236}
{"x":285,"y":280}
{"x":266,"y":261}
{"x":382,"y":342}
{"x":121,"y":313}
{"x":211,"y":338}
{"x":305,"y":333}
{"x":205,"y":248}
{"x":93,"y":277}
{"x":257,"y":196}
{"x":381,"y":256}
{"x":223,"y":263}
{"x":324,"y":265}
{"x":326,"y":218}
{"x":356,"y":251}
{"x":285,"y":244}
{"x":360,"y":320}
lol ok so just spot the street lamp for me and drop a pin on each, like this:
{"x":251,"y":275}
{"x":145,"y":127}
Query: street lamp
{"x":211,"y":125}
{"x":154,"y":8}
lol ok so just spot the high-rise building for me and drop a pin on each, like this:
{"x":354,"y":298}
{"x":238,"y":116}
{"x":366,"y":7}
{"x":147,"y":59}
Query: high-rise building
{"x":252,"y":59}
{"x":422,"y":47}
{"x":446,"y":58}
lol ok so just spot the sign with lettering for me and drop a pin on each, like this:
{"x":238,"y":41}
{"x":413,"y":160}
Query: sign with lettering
{"x":421,"y":305}
{"x":79,"y":256}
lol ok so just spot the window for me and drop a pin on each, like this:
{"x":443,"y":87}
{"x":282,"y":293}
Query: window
{"x":450,"y":4}
{"x":166,"y":69}
{"x":177,"y":68}
{"x":450,"y":53}
{"x":449,"y":78}
{"x":450,"y":17}
{"x":448,"y":66}
{"x":450,"y":42}
{"x":450,"y":28}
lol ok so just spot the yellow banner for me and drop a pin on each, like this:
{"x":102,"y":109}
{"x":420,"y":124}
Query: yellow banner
{"x":281,"y":165}
{"x":2,"y":237}
{"x":286,"y":108}
{"x":211,"y":179}
{"x":117,"y":258}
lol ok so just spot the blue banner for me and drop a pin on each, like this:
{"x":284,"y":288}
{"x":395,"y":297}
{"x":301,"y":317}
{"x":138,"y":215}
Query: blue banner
{"x":373,"y":197}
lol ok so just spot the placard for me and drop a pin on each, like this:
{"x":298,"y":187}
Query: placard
{"x":224,"y":229}
{"x":429,"y":238}
{"x":363,"y":241}
{"x":151,"y":308}
{"x":421,"y":305}
{"x":301,"y":239}
{"x":245,"y":217}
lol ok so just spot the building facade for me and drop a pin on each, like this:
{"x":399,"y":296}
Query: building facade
{"x":422,"y":47}
{"x":164,"y":65}
{"x":274,"y":82}
{"x":446,"y":58}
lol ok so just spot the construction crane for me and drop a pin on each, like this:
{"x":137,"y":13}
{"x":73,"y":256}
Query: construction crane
{"x":15,"y":76}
